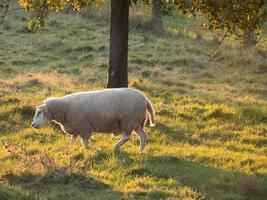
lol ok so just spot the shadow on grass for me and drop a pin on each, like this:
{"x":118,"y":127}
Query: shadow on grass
{"x":8,"y":194}
{"x":30,"y":181}
{"x":202,"y":139}
{"x":56,"y":184}
{"x":177,"y":135}
{"x":209,"y":181}
{"x":212,"y":182}
{"x":155,"y":195}
{"x":63,"y":182}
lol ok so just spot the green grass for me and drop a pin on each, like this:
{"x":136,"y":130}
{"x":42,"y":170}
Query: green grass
{"x":210,"y":138}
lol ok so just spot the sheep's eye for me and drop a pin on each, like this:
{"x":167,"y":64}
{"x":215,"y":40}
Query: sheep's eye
{"x":39,"y":112}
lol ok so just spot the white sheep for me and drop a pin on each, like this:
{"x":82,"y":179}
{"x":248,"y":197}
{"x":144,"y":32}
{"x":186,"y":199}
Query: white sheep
{"x":114,"y":111}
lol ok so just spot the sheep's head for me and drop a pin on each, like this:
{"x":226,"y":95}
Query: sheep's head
{"x":41,"y":116}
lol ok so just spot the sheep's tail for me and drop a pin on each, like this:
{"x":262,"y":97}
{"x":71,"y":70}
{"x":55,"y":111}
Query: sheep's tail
{"x":151,"y":112}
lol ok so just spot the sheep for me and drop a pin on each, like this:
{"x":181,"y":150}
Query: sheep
{"x":115,"y":111}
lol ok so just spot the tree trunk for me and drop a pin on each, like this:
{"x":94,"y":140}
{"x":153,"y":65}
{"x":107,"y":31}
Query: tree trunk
{"x":157,"y":16}
{"x":118,"y":55}
{"x":249,"y":39}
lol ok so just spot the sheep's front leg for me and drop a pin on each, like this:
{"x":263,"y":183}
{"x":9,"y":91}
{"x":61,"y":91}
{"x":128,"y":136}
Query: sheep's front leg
{"x":73,"y":140}
{"x":85,"y":140}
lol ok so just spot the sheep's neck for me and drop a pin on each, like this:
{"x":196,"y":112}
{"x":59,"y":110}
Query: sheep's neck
{"x":58,"y":113}
{"x":59,"y":118}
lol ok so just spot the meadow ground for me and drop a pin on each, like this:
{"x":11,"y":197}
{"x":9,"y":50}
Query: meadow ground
{"x":210,"y":138}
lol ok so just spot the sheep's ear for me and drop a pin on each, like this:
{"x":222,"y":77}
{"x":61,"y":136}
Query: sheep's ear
{"x":43,"y":107}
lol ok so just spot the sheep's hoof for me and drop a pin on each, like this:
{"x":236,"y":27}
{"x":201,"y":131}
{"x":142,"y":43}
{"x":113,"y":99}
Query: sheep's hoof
{"x":142,"y":151}
{"x":85,"y":147}
{"x":116,"y":149}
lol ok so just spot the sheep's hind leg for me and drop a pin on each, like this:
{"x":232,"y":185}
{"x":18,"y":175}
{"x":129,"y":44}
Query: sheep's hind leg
{"x":123,"y":140}
{"x":73,"y":140}
{"x":143,"y":137}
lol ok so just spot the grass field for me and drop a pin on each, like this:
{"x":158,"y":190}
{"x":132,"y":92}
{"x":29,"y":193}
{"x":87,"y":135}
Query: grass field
{"x":210,"y":140}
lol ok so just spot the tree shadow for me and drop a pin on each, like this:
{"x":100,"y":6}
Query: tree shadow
{"x":70,"y":181}
{"x":10,"y":193}
{"x":77,"y":184}
{"x":56,"y":184}
{"x":155,"y":195}
{"x":126,"y":162}
{"x":29,"y":180}
{"x":177,"y":135}
{"x":211,"y":182}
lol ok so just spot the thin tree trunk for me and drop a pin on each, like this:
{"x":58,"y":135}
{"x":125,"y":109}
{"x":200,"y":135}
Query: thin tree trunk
{"x":157,"y":16}
{"x":118,"y":55}
{"x":249,"y":39}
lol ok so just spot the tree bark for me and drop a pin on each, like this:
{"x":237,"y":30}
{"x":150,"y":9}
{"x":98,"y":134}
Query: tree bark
{"x":249,"y":39}
{"x":157,"y":16}
{"x":118,"y":55}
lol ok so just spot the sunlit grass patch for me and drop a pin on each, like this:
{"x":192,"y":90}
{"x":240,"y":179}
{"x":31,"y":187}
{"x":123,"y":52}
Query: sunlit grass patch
{"x":210,"y":135}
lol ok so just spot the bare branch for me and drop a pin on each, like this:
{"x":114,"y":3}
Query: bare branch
{"x":14,"y":9}
{"x":261,"y":36}
{"x":220,"y":43}
{"x":4,"y":15}
{"x":5,"y":8}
